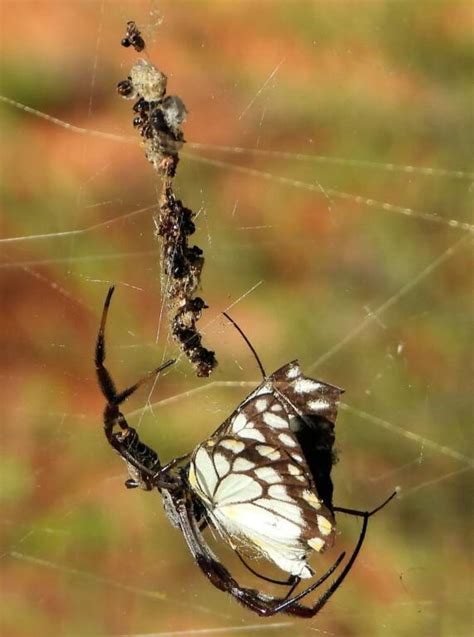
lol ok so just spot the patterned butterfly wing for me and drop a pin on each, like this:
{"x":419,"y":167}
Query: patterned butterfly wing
{"x":253,"y":476}
{"x":314,"y":405}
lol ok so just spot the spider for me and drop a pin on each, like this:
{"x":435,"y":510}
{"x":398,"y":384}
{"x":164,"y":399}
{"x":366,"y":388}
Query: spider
{"x":262,"y":480}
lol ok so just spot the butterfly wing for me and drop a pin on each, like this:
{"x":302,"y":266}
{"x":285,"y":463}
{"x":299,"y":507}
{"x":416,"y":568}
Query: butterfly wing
{"x":314,"y":406}
{"x":254,"y":480}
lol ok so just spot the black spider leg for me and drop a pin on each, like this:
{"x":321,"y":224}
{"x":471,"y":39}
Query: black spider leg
{"x":220,"y":577}
{"x":293,"y":580}
{"x":142,"y":459}
{"x":262,"y":604}
{"x":363,"y":514}
{"x":349,"y":564}
{"x":249,"y":344}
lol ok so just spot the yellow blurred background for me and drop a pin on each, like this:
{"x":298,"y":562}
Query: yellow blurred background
{"x":344,"y":242}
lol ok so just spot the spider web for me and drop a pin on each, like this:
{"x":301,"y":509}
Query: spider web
{"x":328,"y":159}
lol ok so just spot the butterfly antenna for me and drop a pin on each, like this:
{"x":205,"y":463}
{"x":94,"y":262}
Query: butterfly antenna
{"x":250,"y":346}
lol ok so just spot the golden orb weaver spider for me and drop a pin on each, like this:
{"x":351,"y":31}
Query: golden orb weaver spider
{"x":262,"y":479}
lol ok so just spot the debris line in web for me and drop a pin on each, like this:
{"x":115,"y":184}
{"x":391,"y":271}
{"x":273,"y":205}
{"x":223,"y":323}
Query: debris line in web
{"x":158,"y":118}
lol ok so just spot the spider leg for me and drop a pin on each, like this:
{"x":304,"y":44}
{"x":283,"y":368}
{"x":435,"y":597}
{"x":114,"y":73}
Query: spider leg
{"x":338,"y":581}
{"x":311,"y":611}
{"x":165,"y":468}
{"x":106,"y":383}
{"x":296,"y":581}
{"x":143,"y":463}
{"x":293,"y":580}
{"x":263,"y":605}
{"x":363,"y":514}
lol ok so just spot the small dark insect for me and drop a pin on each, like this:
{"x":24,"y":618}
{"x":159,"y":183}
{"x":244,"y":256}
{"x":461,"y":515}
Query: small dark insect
{"x":141,"y":106}
{"x":196,"y":305}
{"x":125,"y":88}
{"x":133,"y":37}
{"x":261,"y":480}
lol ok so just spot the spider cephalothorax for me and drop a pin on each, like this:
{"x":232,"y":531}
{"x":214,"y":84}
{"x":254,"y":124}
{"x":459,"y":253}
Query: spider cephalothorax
{"x":262,"y":480}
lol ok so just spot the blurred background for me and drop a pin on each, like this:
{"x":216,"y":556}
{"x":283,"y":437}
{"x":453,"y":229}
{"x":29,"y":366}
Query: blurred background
{"x":328,"y":157}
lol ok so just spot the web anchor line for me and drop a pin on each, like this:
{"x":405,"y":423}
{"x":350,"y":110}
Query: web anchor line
{"x":158,"y":118}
